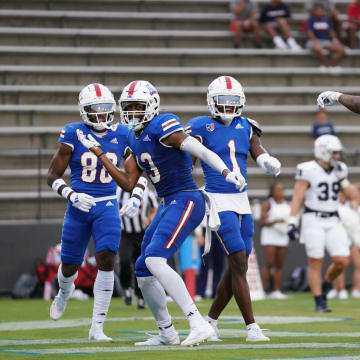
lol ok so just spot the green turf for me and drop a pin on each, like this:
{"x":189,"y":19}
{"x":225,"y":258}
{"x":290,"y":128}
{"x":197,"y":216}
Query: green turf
{"x":289,"y":339}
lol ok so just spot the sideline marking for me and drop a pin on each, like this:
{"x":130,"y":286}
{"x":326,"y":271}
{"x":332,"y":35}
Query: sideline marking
{"x":124,"y":349}
{"x":51,"y":324}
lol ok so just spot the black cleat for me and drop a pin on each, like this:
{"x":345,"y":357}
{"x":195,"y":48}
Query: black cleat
{"x":322,"y":309}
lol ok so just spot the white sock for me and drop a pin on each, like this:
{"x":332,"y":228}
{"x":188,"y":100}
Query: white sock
{"x":155,"y":297}
{"x":65,"y":283}
{"x":252,"y":326}
{"x":175,"y":287}
{"x":210,"y":320}
{"x":103,"y":290}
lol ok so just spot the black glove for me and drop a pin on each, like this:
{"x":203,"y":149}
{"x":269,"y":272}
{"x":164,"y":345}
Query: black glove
{"x":293,"y":232}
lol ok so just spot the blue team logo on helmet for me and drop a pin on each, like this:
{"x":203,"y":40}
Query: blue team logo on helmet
{"x":151,"y":89}
{"x":210,"y":127}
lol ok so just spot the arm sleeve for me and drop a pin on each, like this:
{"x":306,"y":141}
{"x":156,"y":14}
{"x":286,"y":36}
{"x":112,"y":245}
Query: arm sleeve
{"x":192,"y":146}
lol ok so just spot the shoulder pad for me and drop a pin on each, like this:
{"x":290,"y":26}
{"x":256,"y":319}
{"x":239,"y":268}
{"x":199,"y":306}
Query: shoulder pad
{"x":255,"y":126}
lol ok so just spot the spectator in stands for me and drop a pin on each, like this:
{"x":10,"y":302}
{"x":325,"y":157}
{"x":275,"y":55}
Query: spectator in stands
{"x":330,"y":11}
{"x":322,"y":36}
{"x":322,"y":126}
{"x":353,"y":19}
{"x":274,"y":17}
{"x":214,"y":260}
{"x":274,"y":214}
{"x":133,"y":230}
{"x":244,"y":12}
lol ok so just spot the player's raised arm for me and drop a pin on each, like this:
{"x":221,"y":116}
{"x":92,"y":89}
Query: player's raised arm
{"x":329,"y":98}
{"x":126,"y":180}
{"x":187,"y":143}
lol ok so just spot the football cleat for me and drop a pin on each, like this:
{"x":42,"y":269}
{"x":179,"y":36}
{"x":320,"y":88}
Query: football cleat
{"x":58,"y":306}
{"x":160,"y":339}
{"x":97,"y":334}
{"x":254,"y":334}
{"x":198,"y":334}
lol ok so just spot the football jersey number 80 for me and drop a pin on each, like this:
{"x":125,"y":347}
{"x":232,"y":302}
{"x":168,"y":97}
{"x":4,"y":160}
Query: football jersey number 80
{"x":89,"y":162}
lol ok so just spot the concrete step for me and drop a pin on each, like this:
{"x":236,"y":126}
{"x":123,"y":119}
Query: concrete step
{"x":146,"y":5}
{"x":58,"y":115}
{"x":176,"y":95}
{"x":80,"y":56}
{"x":127,"y":20}
{"x":176,"y":76}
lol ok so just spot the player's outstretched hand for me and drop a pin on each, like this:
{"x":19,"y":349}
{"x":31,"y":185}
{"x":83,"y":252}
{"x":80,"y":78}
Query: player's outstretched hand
{"x":328,"y":98}
{"x":83,"y":202}
{"x":87,"y":141}
{"x":272,"y":166}
{"x":130,"y":208}
{"x":237,"y":179}
{"x":293,"y":232}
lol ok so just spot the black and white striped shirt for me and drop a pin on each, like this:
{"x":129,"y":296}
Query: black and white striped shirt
{"x":135,"y":225}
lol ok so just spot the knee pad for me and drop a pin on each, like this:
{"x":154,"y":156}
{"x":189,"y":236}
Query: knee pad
{"x":156,"y":264}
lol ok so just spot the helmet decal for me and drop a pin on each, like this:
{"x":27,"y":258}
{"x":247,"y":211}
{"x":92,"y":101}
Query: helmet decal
{"x":97,"y":90}
{"x":228,"y":83}
{"x":132,"y":89}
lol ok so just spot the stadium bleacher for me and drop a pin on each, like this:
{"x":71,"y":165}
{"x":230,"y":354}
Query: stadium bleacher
{"x":50,"y":49}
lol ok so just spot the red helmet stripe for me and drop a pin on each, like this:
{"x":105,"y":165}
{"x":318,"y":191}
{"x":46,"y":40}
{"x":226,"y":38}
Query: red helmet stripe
{"x":228,"y":82}
{"x":132,"y":88}
{"x":97,"y":90}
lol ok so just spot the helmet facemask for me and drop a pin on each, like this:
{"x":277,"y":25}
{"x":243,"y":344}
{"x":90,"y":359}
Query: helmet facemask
{"x":98,"y":116}
{"x":136,"y":119}
{"x":227,"y":107}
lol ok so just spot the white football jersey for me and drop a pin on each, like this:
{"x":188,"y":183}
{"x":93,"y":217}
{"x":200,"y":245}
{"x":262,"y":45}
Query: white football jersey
{"x":324,"y":186}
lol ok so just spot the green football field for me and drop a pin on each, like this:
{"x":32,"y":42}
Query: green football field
{"x":295,"y":331}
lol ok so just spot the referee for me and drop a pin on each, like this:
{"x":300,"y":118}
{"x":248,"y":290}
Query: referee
{"x":132,"y":232}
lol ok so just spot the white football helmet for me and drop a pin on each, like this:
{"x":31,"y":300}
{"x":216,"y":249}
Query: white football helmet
{"x":143,"y":93}
{"x":225,"y":98}
{"x":94,"y":100}
{"x":324,"y":147}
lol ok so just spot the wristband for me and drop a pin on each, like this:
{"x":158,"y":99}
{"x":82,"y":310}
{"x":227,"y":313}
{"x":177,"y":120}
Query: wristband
{"x":60,"y":186}
{"x":100,"y":155}
{"x":56,"y":185}
{"x":260,"y":160}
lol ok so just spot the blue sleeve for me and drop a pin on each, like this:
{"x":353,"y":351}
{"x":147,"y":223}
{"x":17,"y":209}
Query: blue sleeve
{"x":313,"y":131}
{"x":193,"y":127}
{"x":167,"y":124}
{"x":68,"y":135}
{"x":310,"y":24}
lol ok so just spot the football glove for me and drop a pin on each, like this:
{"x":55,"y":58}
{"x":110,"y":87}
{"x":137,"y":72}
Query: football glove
{"x":131,"y":208}
{"x":237,"y":179}
{"x":81,"y":201}
{"x":328,"y":98}
{"x":87,"y":141}
{"x":269,"y":164}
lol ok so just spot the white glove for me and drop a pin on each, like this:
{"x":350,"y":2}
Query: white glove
{"x":237,"y":179}
{"x":269,"y":164}
{"x":131,"y":208}
{"x":272,"y":166}
{"x":328,"y":98}
{"x":82,"y":201}
{"x":87,"y":141}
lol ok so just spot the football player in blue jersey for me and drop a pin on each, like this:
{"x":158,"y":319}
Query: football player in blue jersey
{"x":92,"y":206}
{"x":232,"y":137}
{"x":162,"y":148}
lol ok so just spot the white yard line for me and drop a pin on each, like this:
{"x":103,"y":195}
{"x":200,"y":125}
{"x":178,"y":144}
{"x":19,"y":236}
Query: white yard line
{"x":127,"y":349}
{"x":50,"y":324}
